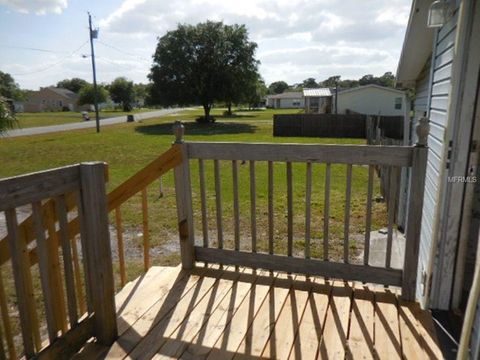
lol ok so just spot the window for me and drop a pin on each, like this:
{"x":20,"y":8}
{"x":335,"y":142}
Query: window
{"x":398,"y":103}
{"x":296,"y":103}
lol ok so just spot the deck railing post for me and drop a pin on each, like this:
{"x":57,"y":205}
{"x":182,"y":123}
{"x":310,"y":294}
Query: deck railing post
{"x":183,"y":193}
{"x":415,"y":205}
{"x":98,"y":261}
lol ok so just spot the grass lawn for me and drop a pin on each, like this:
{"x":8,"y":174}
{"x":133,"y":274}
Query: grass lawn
{"x":128,"y":147}
{"x":28,"y":120}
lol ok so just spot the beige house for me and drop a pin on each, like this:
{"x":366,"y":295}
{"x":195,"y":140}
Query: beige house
{"x":53,"y":99}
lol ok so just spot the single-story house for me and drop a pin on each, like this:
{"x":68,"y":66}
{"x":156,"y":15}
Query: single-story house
{"x":286,"y":100}
{"x":442,"y":65}
{"x":52,"y":99}
{"x":318,"y":101}
{"x":372,"y":100}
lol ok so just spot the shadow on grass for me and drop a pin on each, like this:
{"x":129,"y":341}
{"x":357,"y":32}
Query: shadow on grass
{"x":192,"y":128}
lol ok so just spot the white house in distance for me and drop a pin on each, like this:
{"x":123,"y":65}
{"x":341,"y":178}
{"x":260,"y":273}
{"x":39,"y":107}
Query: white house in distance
{"x":372,"y":100}
{"x":286,"y":100}
{"x":317,"y":101}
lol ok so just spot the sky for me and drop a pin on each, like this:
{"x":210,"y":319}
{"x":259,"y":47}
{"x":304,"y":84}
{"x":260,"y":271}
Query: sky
{"x":45,"y":41}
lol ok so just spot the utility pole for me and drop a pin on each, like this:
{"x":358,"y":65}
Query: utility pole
{"x":93,"y":35}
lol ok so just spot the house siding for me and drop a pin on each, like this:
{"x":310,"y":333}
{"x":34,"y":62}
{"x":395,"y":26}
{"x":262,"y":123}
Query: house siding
{"x":371,"y":101}
{"x":433,"y":99}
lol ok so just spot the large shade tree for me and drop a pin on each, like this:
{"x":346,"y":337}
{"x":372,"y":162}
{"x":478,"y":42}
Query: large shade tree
{"x":277,"y":87}
{"x":86,"y":95}
{"x":9,"y":88}
{"x":202,"y":64}
{"x":73,"y":84}
{"x":122,"y":92}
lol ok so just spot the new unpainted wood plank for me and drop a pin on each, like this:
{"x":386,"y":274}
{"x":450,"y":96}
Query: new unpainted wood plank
{"x":146,"y":231}
{"x":289,"y":210}
{"x":121,"y":250}
{"x":341,"y":154}
{"x":55,"y":267}
{"x":361,"y":334}
{"x":287,"y":324}
{"x":134,"y":324}
{"x":175,"y":342}
{"x":270,"y":208}
{"x":368,"y":216}
{"x":419,"y":338}
{"x":52,"y":312}
{"x":61,"y":210}
{"x":218,"y":204}
{"x":216,"y":324}
{"x":387,"y":330}
{"x":236,"y":205}
{"x":182,"y":308}
{"x":78,"y":277}
{"x":392,"y":197}
{"x":203,"y":201}
{"x":335,"y":332}
{"x":234,"y":333}
{"x":308,"y":209}
{"x":326,"y":212}
{"x":6,"y":320}
{"x":23,"y":285}
{"x":346,"y":225}
{"x":263,"y":323}
{"x":253,"y":207}
{"x":310,"y":330}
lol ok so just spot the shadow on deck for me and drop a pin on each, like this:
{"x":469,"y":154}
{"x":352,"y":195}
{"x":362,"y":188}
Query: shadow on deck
{"x":225,"y":313}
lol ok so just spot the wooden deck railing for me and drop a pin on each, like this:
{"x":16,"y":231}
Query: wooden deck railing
{"x":75,"y":307}
{"x":394,"y":157}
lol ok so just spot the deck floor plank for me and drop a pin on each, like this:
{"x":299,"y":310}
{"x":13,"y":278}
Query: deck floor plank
{"x":310,"y":330}
{"x":387,"y":328}
{"x":224,"y":313}
{"x":335,"y":331}
{"x":361,"y":332}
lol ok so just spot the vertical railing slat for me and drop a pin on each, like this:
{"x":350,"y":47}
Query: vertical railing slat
{"x":23,"y":284}
{"x":236,"y":206}
{"x":368,"y":220}
{"x":326,"y":212}
{"x":46,"y":274}
{"x":146,"y":231}
{"x":308,"y":200}
{"x":61,"y":210}
{"x":270,"y":207}
{"x":3,"y":356}
{"x":6,"y":320}
{"x":218,"y":203}
{"x":289,"y":209}
{"x":203,"y":201}
{"x":392,"y":177}
{"x":55,"y":268}
{"x":346,"y":222}
{"x":121,"y":250}
{"x":253,"y":207}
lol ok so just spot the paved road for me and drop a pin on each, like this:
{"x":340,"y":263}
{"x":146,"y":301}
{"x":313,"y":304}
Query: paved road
{"x":88,"y":124}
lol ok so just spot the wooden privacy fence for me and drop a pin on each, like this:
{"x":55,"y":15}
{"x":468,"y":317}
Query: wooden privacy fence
{"x":395,"y":157}
{"x":76,"y":307}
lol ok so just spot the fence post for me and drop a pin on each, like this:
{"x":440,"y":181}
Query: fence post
{"x":98,"y":253}
{"x":183,"y":193}
{"x":415,"y":205}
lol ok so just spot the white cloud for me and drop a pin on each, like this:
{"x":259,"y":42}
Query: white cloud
{"x":39,"y":7}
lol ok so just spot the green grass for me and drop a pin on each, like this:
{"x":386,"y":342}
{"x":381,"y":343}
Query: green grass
{"x":28,"y":120}
{"x":128,"y":147}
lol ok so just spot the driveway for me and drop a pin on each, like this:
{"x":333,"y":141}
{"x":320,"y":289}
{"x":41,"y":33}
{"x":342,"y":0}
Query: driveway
{"x":89,"y":124}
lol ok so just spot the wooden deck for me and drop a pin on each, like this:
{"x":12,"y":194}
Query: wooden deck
{"x":213,"y":313}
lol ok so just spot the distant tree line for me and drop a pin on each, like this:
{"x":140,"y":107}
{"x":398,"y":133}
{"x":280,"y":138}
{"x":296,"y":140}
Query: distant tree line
{"x":387,"y":80}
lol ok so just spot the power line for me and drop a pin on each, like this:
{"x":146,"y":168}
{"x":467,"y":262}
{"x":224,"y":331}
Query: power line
{"x":32,"y":49}
{"x":123,"y":52}
{"x":54,"y":64}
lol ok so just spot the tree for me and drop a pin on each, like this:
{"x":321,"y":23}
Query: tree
{"x":201,"y":64}
{"x":7,"y":117}
{"x":141,"y":93}
{"x":277,"y":87}
{"x":309,"y":83}
{"x":387,"y":79}
{"x":74,"y":84}
{"x":9,"y":88}
{"x":122,"y":92}
{"x":86,"y":95}
{"x":256,"y":93}
{"x":332,"y":81}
